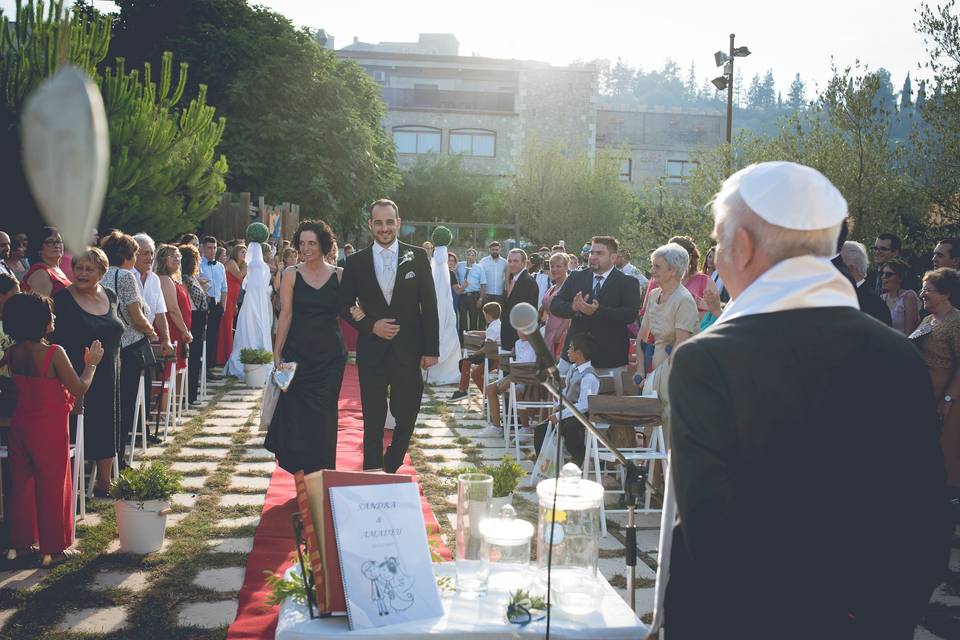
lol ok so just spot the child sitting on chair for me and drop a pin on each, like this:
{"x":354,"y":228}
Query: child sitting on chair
{"x":524,"y":354}
{"x":472,"y":367}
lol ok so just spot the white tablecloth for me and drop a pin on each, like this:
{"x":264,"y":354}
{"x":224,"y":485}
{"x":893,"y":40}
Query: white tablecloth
{"x":473,"y":619}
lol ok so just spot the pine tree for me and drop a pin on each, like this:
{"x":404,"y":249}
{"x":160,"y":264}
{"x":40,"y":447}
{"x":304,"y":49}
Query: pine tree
{"x":921,"y":96}
{"x":796,"y":96}
{"x":691,"y":84}
{"x":906,"y":94}
{"x":755,"y":93}
{"x":768,"y":91}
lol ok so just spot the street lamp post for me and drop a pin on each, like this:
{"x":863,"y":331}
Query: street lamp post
{"x":726,"y":80}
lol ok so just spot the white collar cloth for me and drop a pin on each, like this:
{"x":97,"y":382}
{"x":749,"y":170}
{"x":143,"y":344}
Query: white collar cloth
{"x":806,"y":282}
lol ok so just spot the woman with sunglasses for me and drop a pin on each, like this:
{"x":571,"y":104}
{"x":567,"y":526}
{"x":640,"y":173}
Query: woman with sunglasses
{"x":903,"y":303}
{"x":44,"y":275}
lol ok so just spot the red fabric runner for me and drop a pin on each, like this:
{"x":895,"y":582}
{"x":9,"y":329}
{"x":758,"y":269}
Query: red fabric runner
{"x":273,"y":545}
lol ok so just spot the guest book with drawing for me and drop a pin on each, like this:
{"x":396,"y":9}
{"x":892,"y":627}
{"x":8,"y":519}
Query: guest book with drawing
{"x":384,"y":555}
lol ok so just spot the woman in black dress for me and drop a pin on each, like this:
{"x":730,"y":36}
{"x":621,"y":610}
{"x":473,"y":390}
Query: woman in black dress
{"x":87,"y":311}
{"x":303,"y":431}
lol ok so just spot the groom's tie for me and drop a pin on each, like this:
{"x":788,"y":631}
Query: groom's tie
{"x":387,"y":274}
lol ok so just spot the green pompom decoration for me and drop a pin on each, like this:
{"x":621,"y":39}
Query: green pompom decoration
{"x":257,"y":232}
{"x":442,"y":237}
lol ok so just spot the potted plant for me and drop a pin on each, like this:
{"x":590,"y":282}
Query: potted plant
{"x":142,"y":499}
{"x":257,"y":364}
{"x":506,"y":477}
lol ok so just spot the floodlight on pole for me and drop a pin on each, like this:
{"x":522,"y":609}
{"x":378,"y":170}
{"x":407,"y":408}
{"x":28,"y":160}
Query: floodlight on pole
{"x":726,"y":80}
{"x":720,"y":57}
{"x":720,"y":82}
{"x":741,"y":52}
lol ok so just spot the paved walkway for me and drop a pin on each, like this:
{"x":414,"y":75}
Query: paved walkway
{"x":189,"y":588}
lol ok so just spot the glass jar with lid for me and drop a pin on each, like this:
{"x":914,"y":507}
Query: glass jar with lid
{"x":506,"y":543}
{"x":568,"y":539}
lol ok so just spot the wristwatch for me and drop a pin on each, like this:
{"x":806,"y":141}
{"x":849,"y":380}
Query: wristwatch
{"x":948,"y":398}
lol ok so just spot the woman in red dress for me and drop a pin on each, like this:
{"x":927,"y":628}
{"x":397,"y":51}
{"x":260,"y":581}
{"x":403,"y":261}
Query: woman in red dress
{"x":177,"y":300}
{"x":44,"y":275}
{"x":39,"y":439}
{"x":236,"y":270}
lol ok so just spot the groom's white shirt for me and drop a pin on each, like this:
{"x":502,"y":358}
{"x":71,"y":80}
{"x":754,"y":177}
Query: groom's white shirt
{"x":386,"y":284}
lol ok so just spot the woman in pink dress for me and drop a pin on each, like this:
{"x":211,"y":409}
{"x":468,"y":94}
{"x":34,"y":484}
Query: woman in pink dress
{"x":555,"y":329}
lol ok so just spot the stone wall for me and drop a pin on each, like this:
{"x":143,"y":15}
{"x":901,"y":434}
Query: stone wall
{"x":559,"y":103}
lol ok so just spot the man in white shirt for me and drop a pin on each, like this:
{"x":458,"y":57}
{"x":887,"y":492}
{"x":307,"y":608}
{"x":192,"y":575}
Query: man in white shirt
{"x":581,"y":383}
{"x":623,"y":263}
{"x":214,"y":277}
{"x":524,"y":354}
{"x":149,"y":284}
{"x":494,"y":267}
{"x":473,"y":289}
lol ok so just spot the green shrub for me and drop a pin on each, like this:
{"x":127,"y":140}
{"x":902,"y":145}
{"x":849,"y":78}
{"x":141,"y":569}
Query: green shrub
{"x":255,"y":356}
{"x":506,"y":476}
{"x":149,"y":482}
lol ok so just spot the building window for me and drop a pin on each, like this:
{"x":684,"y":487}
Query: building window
{"x":626,"y":169}
{"x":473,"y":142}
{"x":679,"y":171}
{"x":416,"y":140}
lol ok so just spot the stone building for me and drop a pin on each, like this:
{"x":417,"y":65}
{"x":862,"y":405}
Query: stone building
{"x":487,"y":109}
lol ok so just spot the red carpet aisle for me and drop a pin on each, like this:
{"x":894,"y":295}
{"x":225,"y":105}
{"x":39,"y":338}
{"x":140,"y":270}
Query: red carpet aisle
{"x":273,"y":541}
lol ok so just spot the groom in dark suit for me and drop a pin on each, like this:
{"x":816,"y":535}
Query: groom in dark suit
{"x":399,"y":336}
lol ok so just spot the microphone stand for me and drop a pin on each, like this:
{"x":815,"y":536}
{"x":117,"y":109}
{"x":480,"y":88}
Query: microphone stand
{"x":635,"y":481}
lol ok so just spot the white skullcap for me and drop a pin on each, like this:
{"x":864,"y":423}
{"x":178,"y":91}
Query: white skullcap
{"x":791,"y":195}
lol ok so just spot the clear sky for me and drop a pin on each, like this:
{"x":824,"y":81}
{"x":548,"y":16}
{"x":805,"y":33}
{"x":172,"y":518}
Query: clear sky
{"x":786,"y":37}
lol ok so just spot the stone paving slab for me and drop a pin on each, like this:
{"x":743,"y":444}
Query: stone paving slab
{"x":448,"y":454}
{"x":610,"y":567}
{"x":208,"y":615}
{"x":205,"y":452}
{"x":433,"y":432}
{"x":193,"y":482}
{"x":231,"y":545}
{"x":5,"y":615}
{"x":135,"y":581}
{"x":90,"y":520}
{"x":231,"y":413}
{"x":223,"y":580}
{"x":438,"y":443}
{"x":189,"y":467}
{"x":448,"y":464}
{"x":238,"y":499}
{"x":184,"y":499}
{"x":224,"y":422}
{"x":249,"y":482}
{"x":258,"y":453}
{"x":256,"y":441}
{"x":255,"y":467}
{"x":242,"y":521}
{"x":213,"y":439}
{"x":173,"y":519}
{"x":106,"y":620}
{"x":20,"y":579}
{"x":228,"y":430}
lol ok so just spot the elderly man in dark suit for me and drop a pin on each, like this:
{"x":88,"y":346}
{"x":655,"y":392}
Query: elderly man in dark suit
{"x":399,"y":335}
{"x":778,"y":464}
{"x":601,"y":301}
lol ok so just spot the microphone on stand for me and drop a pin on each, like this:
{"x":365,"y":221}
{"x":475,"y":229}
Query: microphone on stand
{"x":525,"y":319}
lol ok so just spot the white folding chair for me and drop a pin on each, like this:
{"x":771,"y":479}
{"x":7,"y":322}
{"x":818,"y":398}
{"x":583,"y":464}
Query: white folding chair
{"x":655,"y":452}
{"x":78,"y":495}
{"x":168,"y":385}
{"x":139,"y":419}
{"x":512,"y":427}
{"x":203,"y":372}
{"x":180,"y":387}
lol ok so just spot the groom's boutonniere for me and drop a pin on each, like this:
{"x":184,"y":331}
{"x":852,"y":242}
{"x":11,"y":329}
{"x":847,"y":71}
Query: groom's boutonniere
{"x":407,"y":257}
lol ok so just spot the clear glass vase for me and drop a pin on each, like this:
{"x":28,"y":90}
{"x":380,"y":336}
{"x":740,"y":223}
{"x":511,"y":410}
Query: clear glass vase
{"x":474,"y":491}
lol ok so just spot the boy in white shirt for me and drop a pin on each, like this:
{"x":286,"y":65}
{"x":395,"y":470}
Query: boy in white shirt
{"x":472,"y":367}
{"x":524,"y":354}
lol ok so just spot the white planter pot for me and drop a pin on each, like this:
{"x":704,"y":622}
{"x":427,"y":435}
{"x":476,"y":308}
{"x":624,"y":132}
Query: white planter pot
{"x":497,"y":503}
{"x":141,"y":527}
{"x":255,"y":375}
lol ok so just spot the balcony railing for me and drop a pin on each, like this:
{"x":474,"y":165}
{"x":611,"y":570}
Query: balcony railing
{"x":448,"y":100}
